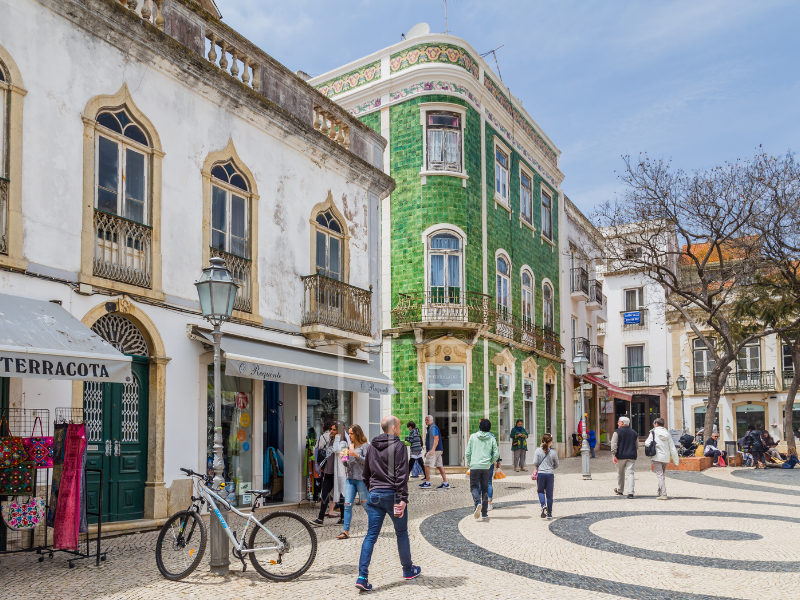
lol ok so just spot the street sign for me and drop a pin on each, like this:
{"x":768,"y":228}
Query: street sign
{"x":632,"y":318}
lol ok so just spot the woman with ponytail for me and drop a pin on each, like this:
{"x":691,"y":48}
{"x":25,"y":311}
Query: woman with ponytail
{"x":545,"y":461}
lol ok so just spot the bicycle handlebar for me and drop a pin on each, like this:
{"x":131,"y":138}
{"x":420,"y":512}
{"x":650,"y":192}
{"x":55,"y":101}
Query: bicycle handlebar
{"x":191,"y":473}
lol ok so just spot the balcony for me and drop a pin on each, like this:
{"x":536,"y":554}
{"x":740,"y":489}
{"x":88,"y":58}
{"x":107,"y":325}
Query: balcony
{"x":240,"y":269}
{"x":333,"y":309}
{"x":580,"y":345}
{"x":579,"y":283}
{"x":597,"y":359}
{"x":636,"y":376}
{"x":437,"y":308}
{"x":507,"y":327}
{"x":634,"y":320}
{"x":122,"y":249}
{"x":787,"y":377}
{"x":3,"y":215}
{"x":596,"y":299}
{"x":601,"y":328}
{"x":741,"y":382}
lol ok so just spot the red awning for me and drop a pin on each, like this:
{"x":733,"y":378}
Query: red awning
{"x":613,"y":390}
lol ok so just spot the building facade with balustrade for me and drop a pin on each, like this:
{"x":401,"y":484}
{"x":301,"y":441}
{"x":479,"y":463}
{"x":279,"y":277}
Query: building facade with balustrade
{"x":137,"y":141}
{"x":470,"y":255}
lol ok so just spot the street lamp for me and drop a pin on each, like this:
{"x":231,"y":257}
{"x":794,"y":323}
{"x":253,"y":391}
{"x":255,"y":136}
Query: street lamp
{"x":681,"y":382}
{"x":581,"y":365}
{"x":217,"y":291}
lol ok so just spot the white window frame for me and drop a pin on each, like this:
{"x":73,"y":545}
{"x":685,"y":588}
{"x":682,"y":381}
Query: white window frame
{"x":123,"y":144}
{"x":424,"y":109}
{"x":429,"y":251}
{"x":426,"y":237}
{"x":523,"y":171}
{"x":707,"y":358}
{"x":749,"y":350}
{"x":640,"y":298}
{"x":230,"y":190}
{"x":550,"y":195}
{"x":547,"y":282}
{"x":530,"y":289}
{"x":3,"y":134}
{"x":498,"y":198}
{"x":330,"y":233}
{"x":507,"y":277}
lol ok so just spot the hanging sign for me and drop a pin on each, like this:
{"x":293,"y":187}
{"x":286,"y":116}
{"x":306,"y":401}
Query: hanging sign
{"x":245,"y":420}
{"x":242,"y":400}
{"x":632,"y":318}
{"x":240,"y":435}
{"x":446,"y":377}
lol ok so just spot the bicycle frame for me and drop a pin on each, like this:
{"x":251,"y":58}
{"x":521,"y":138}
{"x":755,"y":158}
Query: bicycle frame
{"x":209,"y":496}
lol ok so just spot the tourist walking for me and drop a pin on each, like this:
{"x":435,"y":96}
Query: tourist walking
{"x":757,"y":446}
{"x":414,"y":438}
{"x":325,"y":452}
{"x":624,"y":450}
{"x":386,"y":477}
{"x":665,"y":451}
{"x":433,"y":456}
{"x":482,"y":452}
{"x":545,"y":461}
{"x":592,"y":442}
{"x":354,"y":465}
{"x":519,"y":446}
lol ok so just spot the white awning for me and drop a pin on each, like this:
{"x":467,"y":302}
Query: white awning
{"x":255,"y":359}
{"x":41,"y":340}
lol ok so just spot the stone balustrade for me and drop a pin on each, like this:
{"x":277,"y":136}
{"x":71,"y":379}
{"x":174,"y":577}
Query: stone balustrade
{"x":229,"y":59}
{"x":328,"y":124}
{"x":150,"y":11}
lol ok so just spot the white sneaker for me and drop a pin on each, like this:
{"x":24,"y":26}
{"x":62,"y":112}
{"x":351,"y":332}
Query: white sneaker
{"x":490,"y":507}
{"x":663,"y":497}
{"x":477,"y":513}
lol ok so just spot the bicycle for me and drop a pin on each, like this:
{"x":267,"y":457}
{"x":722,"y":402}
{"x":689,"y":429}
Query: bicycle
{"x":287,"y":547}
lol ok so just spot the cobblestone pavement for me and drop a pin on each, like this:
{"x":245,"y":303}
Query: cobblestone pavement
{"x":720,"y":535}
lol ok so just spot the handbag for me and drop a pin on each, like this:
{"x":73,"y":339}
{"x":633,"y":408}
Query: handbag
{"x":12,"y":452}
{"x":650,"y":448}
{"x":19,"y":515}
{"x":17,"y":480}
{"x":39,"y":449}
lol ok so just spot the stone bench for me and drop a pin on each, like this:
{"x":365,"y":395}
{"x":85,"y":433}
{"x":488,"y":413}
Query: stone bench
{"x":691,"y":463}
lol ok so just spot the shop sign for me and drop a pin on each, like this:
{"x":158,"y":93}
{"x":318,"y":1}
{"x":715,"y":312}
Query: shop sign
{"x":632,"y":318}
{"x":64,"y":367}
{"x":243,"y":487}
{"x":446,"y":377}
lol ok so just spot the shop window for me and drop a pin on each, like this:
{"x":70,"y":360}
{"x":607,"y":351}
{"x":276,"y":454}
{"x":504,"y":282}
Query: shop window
{"x":547,"y":215}
{"x":323,"y":404}
{"x":503,"y":287}
{"x":444,"y":142}
{"x":749,"y":414}
{"x":237,"y":435}
{"x":526,"y":197}
{"x":329,"y":245}
{"x":527,"y":298}
{"x":501,"y":164}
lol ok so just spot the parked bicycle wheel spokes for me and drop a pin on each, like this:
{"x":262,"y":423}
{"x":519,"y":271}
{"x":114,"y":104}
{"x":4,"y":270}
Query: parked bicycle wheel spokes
{"x":293,"y":552}
{"x":180,"y":545}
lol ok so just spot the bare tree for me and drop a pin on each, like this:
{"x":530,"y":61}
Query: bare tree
{"x":691,"y":233}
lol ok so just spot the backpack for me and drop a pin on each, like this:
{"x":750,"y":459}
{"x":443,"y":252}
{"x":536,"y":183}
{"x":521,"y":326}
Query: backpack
{"x":650,"y":447}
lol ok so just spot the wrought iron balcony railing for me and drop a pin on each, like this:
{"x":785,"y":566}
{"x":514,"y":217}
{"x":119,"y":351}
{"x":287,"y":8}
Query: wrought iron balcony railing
{"x":601,"y":328}
{"x":440,"y":305}
{"x":628,"y":320}
{"x":579,"y":281}
{"x":787,"y":379}
{"x":3,"y":215}
{"x":122,"y":250}
{"x":241,"y":271}
{"x":635,"y":376}
{"x":596,"y":357}
{"x":740,"y":381}
{"x":336,"y":304}
{"x":580,"y":345}
{"x":596,"y":292}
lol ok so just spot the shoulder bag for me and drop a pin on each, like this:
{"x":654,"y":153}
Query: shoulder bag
{"x":650,"y":447}
{"x":23,"y":514}
{"x":39,"y":449}
{"x":12,"y":452}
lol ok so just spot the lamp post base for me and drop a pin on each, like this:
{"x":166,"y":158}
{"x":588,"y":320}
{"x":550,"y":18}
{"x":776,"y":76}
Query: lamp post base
{"x":220,"y":551}
{"x":585,"y":458}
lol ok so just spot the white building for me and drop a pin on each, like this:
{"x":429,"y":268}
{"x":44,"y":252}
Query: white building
{"x":135,"y":145}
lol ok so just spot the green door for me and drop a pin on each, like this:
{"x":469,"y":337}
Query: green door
{"x":115,"y":415}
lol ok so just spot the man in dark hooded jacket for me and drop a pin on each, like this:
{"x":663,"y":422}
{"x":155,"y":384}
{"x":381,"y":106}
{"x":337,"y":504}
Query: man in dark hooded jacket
{"x":386,"y":478}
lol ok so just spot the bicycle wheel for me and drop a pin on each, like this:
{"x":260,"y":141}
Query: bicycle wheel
{"x":295,"y":553}
{"x":181,"y":544}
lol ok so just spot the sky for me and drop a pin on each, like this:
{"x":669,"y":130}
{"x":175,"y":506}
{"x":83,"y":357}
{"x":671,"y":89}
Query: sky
{"x":696,"y":82}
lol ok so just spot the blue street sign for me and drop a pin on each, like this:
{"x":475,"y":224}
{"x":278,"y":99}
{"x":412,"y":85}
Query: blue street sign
{"x":632,"y":318}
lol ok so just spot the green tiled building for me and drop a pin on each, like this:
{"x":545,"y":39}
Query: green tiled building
{"x":470,"y":260}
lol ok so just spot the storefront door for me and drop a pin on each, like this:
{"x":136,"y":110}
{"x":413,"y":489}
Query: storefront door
{"x":115,"y":415}
{"x":447,"y":416}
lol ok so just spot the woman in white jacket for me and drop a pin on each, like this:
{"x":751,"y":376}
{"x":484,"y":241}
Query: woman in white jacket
{"x":665,"y":451}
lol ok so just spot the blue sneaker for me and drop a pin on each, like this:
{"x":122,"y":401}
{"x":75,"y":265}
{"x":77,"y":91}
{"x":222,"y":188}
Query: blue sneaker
{"x":425,"y":484}
{"x":363,"y":584}
{"x":415,"y":572}
{"x":444,"y":486}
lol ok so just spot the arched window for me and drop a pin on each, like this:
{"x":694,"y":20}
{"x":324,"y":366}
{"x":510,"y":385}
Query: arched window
{"x":445,"y":252}
{"x":527,"y":298}
{"x":329,"y":245}
{"x":230,"y":227}
{"x":549,"y":315}
{"x":503,"y":286}
{"x":12,"y":96}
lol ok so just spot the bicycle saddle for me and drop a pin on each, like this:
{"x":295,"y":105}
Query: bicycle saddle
{"x":261,"y":492}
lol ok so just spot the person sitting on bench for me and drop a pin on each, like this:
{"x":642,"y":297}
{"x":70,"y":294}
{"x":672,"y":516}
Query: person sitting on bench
{"x":712,"y":450}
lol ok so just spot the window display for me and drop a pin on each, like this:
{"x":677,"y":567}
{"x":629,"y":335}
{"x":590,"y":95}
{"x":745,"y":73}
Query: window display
{"x":324,"y":404}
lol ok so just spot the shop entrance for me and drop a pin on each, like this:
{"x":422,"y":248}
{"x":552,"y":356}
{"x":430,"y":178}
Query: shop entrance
{"x":548,"y":408}
{"x":272,"y":465}
{"x":447,"y":416}
{"x":644,"y":410}
{"x":115,"y":415}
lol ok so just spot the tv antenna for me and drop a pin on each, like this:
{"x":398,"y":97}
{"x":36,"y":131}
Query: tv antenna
{"x":494,"y":53}
{"x":446,"y":30}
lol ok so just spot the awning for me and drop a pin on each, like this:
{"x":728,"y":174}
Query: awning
{"x":41,"y":340}
{"x":256,"y":359}
{"x":613,"y":390}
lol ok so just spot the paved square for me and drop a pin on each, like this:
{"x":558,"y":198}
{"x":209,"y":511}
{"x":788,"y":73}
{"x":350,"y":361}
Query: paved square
{"x":725,"y":533}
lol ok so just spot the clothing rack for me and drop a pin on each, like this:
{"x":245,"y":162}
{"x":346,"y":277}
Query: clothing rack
{"x":20,"y":424}
{"x":69,"y":415}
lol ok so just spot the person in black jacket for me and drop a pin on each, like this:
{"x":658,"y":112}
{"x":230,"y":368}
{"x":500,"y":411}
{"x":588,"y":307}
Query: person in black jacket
{"x":386,"y":477}
{"x":624,"y":450}
{"x":757,"y":446}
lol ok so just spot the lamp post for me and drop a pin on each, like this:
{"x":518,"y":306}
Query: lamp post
{"x":581,"y":364}
{"x":681,"y":382}
{"x":217,"y":291}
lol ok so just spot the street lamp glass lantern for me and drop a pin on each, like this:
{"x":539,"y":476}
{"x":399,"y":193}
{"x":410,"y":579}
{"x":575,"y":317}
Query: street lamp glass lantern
{"x":581,"y":365}
{"x":217,"y":291}
{"x":682,"y":381}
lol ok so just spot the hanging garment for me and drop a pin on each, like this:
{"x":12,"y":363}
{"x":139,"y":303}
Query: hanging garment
{"x":59,"y":435}
{"x":68,"y":512}
{"x":84,"y":526}
{"x":39,"y":449}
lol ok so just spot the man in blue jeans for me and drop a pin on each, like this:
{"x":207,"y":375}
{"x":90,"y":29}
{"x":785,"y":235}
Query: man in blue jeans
{"x":386,"y":477}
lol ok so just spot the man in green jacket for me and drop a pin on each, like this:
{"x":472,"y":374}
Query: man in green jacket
{"x":482,"y":452}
